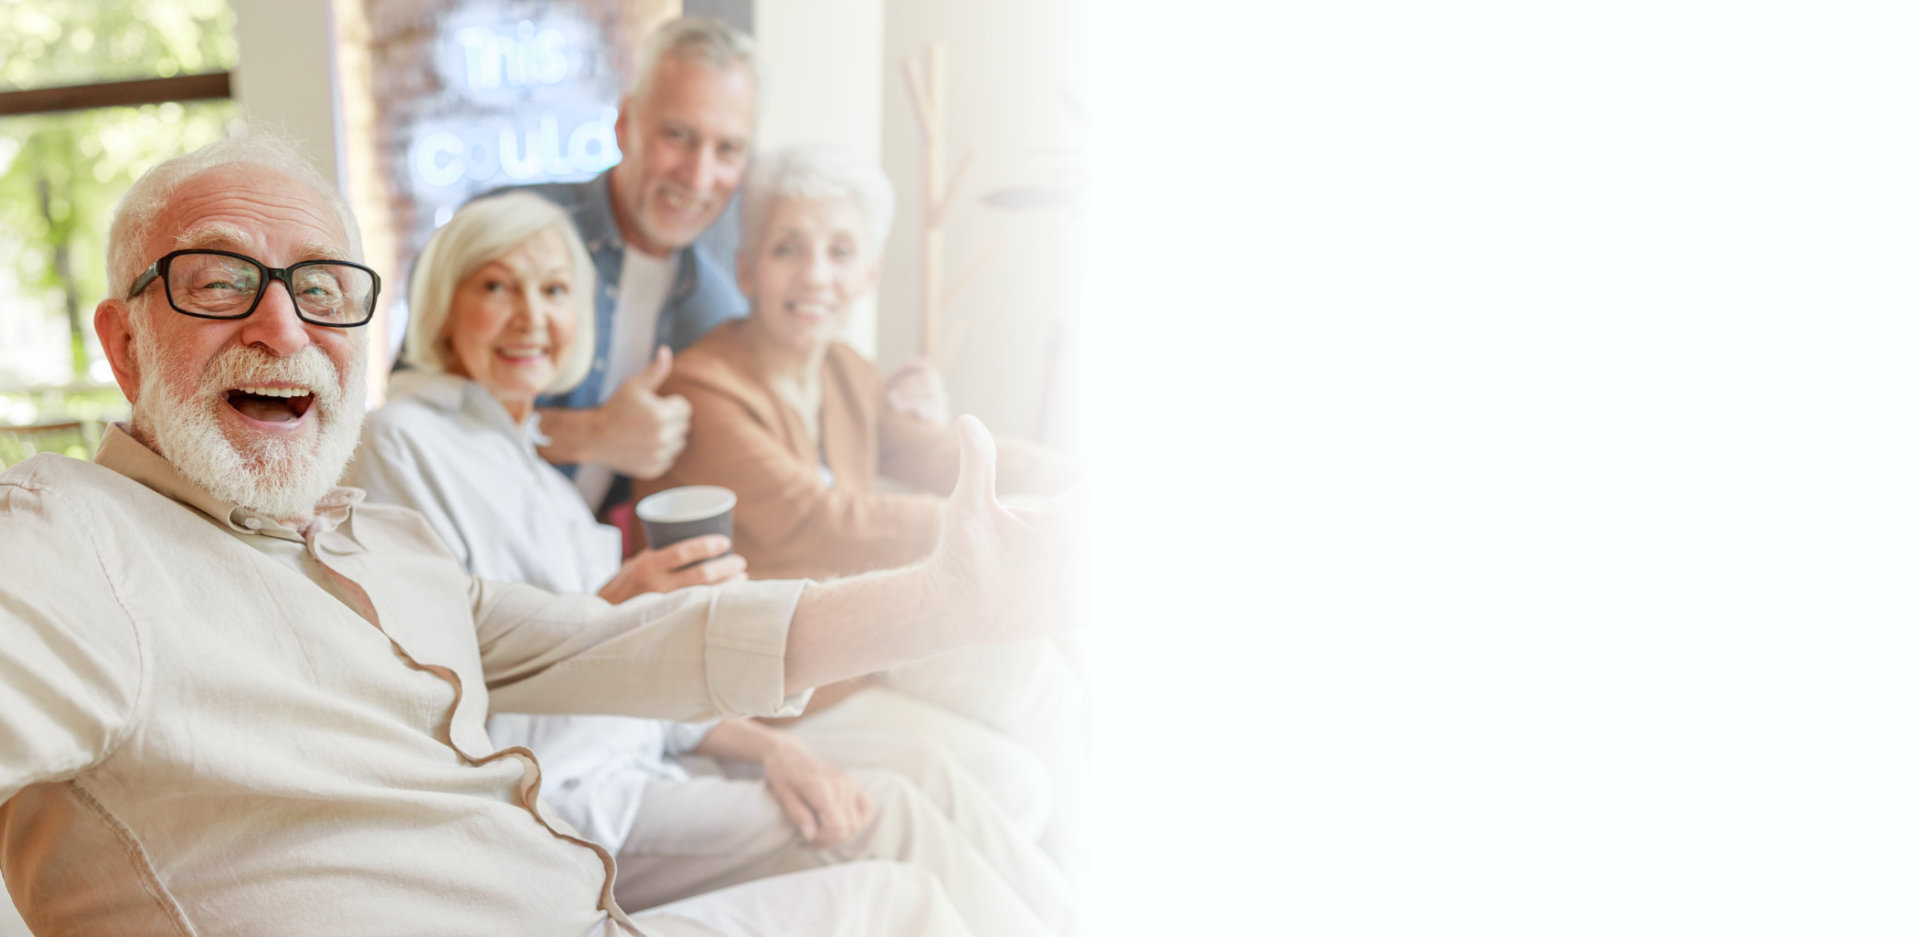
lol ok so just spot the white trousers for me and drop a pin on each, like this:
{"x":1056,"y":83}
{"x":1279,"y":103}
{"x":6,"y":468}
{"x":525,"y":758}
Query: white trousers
{"x":711,"y":832}
{"x":879,"y":727}
{"x":1027,"y":693}
{"x":859,"y":899}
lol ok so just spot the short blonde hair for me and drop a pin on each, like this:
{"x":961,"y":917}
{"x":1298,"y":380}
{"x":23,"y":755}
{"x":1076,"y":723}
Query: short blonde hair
{"x":481,"y":231}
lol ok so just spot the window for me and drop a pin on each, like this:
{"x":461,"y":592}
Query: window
{"x":92,"y":93}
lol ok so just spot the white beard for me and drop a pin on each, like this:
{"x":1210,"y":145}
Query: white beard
{"x":281,"y":478}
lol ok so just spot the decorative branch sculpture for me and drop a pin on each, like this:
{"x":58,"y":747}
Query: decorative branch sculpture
{"x":927,"y":91}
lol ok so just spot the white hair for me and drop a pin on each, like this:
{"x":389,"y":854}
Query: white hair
{"x":710,"y":41}
{"x":134,"y":216}
{"x":819,"y":172}
{"x":481,"y":231}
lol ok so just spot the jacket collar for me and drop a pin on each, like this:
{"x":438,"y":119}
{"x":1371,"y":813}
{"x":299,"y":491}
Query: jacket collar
{"x":453,"y":395}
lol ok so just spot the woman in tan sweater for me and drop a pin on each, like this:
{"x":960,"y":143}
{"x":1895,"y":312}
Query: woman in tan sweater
{"x":796,"y":423}
{"x":799,"y":426}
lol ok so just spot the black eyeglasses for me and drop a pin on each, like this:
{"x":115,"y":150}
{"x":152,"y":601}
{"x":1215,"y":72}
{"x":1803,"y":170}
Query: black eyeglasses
{"x":210,"y":284}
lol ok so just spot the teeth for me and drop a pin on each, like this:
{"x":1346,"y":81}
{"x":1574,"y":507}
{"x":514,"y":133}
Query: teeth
{"x":810,"y":309}
{"x":274,"y":391}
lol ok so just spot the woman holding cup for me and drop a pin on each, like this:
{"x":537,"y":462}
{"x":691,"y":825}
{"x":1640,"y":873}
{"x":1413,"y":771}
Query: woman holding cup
{"x":799,"y":426}
{"x":501,"y":304}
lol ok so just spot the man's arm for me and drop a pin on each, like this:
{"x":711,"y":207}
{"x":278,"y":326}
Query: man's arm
{"x":751,"y":648}
{"x":636,"y":432}
{"x":70,"y":664}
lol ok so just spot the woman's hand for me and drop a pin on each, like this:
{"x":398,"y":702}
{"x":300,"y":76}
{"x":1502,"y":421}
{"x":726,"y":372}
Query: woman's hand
{"x":821,"y":801}
{"x":695,"y":561}
{"x":916,"y":390}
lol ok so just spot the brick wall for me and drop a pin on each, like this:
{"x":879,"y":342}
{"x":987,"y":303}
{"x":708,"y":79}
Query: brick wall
{"x":443,"y":99}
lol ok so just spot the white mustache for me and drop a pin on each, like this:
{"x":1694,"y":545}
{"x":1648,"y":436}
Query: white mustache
{"x":245,"y":365}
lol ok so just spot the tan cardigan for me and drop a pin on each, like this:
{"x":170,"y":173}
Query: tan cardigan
{"x":789,"y":523}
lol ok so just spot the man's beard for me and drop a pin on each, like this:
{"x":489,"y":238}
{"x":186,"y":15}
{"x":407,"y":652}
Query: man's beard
{"x":281,"y":478}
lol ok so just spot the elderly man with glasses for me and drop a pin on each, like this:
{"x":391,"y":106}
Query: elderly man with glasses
{"x":236,"y":700}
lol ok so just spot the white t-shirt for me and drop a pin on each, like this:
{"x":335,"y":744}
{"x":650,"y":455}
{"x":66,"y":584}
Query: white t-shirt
{"x":644,"y":282}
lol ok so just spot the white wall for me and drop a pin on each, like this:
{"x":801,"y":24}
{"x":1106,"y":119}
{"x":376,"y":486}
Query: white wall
{"x":824,"y":64}
{"x":10,"y":923}
{"x":285,"y":75}
{"x":1011,"y":69}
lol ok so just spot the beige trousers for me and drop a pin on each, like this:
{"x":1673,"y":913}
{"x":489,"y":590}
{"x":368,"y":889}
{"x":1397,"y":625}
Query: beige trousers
{"x":712,"y":832}
{"x":859,"y":899}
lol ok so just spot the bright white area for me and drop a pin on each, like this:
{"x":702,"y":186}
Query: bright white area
{"x":1563,"y":362}
{"x":1014,"y":99}
{"x":824,"y":73}
{"x":277,"y":79}
{"x":824,"y":68}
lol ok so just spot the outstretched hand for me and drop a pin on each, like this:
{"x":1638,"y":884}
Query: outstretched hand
{"x":1005,"y":573}
{"x":996,"y":574}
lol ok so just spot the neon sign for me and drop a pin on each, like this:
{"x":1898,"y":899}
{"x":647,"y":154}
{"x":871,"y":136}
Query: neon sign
{"x":525,"y":150}
{"x":524,"y":102}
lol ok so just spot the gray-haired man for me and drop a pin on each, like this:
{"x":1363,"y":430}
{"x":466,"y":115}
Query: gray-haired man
{"x":685,"y":132}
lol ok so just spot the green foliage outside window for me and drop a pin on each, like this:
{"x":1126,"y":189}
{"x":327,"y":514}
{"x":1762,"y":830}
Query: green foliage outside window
{"x":61,"y":173}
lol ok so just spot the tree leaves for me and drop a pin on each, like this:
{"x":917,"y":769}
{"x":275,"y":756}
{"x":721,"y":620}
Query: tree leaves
{"x":61,"y":173}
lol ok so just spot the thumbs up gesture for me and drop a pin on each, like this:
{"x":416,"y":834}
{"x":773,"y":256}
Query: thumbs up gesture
{"x":645,"y":430}
{"x":636,"y":432}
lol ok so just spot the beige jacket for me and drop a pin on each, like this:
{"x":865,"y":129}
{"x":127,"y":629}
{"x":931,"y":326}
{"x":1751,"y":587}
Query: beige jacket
{"x":212,"y":724}
{"x":789,"y":521}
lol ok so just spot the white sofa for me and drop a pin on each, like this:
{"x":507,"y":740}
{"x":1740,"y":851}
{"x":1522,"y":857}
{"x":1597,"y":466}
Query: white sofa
{"x":10,"y":923}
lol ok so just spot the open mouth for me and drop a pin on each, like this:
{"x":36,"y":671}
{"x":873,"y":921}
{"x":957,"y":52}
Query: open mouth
{"x":270,"y":404}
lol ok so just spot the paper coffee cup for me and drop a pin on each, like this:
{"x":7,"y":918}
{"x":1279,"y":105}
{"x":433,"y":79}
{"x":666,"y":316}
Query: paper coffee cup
{"x":675,"y":514}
